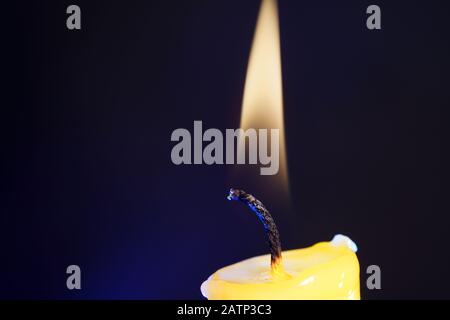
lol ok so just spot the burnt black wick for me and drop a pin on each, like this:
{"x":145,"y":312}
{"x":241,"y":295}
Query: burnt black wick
{"x":269,"y":224}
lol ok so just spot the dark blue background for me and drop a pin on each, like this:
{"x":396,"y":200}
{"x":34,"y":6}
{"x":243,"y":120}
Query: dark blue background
{"x":86,"y":122}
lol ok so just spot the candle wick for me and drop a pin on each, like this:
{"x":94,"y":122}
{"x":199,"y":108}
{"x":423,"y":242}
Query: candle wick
{"x":269,"y":226}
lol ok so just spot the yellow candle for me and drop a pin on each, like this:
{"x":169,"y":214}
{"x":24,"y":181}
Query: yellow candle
{"x":326,"y":270}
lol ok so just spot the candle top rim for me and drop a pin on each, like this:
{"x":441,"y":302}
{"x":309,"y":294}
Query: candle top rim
{"x":296,"y":262}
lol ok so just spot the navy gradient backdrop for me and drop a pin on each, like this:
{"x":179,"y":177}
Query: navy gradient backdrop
{"x":86,"y":122}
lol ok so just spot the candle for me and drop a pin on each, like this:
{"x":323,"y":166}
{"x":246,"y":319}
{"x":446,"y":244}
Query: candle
{"x":326,"y":270}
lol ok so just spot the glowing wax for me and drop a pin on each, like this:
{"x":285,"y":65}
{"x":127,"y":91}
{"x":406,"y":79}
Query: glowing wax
{"x":326,"y":270}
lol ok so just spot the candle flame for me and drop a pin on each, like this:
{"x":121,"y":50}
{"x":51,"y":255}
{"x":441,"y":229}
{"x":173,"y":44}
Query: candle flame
{"x":262,"y":106}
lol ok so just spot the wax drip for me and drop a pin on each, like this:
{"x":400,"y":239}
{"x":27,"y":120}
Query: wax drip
{"x":269,"y":226}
